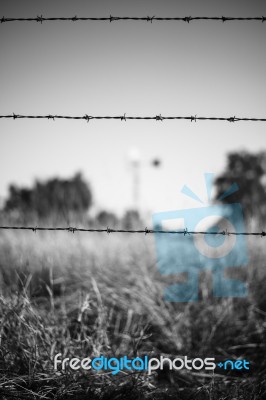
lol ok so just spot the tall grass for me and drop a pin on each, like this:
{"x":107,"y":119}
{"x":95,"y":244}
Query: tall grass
{"x":90,"y":294}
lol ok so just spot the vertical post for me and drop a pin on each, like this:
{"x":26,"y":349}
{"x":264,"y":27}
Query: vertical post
{"x":134,"y":159}
{"x":136,"y":184}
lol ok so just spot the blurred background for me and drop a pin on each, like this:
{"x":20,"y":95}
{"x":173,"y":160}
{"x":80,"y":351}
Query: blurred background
{"x":92,"y":294}
{"x":137,"y":68}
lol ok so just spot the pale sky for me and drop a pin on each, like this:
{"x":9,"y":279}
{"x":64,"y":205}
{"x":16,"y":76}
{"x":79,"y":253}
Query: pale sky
{"x":137,"y":68}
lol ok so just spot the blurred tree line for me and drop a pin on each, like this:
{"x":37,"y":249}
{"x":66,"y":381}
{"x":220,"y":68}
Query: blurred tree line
{"x":55,"y":197}
{"x":69,"y":200}
{"x":66,"y":201}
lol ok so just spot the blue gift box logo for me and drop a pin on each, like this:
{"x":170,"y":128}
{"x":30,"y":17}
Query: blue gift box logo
{"x":177,"y":253}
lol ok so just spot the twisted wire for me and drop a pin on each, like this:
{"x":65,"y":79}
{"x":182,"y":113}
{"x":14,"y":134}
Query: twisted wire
{"x":188,"y":19}
{"x":184,"y":232}
{"x":124,"y":117}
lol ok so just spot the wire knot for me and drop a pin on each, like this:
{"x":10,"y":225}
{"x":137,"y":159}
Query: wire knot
{"x":72,"y":230}
{"x":108,"y":230}
{"x":15,"y":116}
{"x":232,"y":119}
{"x":186,"y":232}
{"x":50,"y":117}
{"x":4,"y":20}
{"x":87,"y":117}
{"x":147,"y":231}
{"x":263,"y":233}
{"x":225,"y":233}
{"x":35,"y":229}
{"x":187,"y":19}
{"x":193,"y":118}
{"x":123,"y":118}
{"x":263,"y":19}
{"x":39,"y":19}
{"x":159,"y":118}
{"x":150,"y":18}
{"x":75,"y":18}
{"x":224,"y":19}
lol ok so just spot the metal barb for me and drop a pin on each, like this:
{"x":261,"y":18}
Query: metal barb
{"x":150,"y":18}
{"x":159,"y":118}
{"x":40,"y":19}
{"x":188,"y":19}
{"x":87,"y":117}
{"x":147,"y":231}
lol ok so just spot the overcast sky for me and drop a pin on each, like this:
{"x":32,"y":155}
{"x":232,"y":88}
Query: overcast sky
{"x":137,"y":68}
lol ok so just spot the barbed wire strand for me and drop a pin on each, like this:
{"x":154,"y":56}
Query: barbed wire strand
{"x":146,"y":231}
{"x":41,"y":19}
{"x":125,"y":118}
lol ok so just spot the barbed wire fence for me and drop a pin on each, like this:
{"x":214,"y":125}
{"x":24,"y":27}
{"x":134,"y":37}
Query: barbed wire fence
{"x":41,"y":19}
{"x":124,"y":117}
{"x":184,"y":232}
{"x":188,"y":19}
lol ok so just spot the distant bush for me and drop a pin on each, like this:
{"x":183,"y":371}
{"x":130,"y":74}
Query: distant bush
{"x":248,"y":170}
{"x":105,"y":218}
{"x":132,"y":220}
{"x":61,"y":197}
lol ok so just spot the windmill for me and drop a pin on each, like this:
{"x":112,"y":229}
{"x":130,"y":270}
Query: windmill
{"x":136,"y":166}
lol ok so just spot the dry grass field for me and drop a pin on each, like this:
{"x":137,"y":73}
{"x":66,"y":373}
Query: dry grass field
{"x":87,"y":294}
